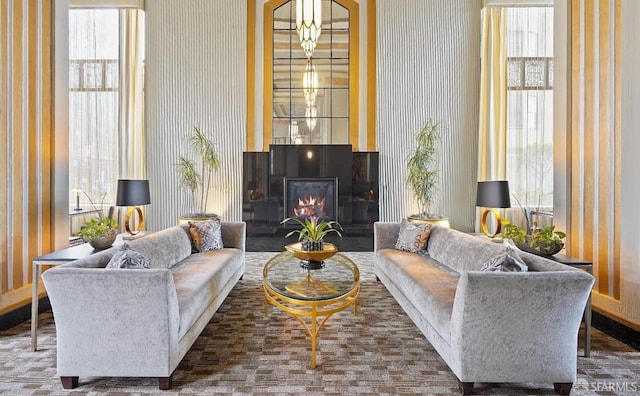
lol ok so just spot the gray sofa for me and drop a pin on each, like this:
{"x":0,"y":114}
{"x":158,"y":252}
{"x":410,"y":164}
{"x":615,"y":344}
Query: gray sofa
{"x":490,"y":327}
{"x":140,"y":322}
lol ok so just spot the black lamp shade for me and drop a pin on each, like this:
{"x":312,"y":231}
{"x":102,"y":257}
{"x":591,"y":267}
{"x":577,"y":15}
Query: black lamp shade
{"x":493,"y":194}
{"x":133,"y":192}
{"x":251,"y":185}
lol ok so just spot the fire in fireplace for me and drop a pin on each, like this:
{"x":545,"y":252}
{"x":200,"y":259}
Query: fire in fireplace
{"x":307,"y":197}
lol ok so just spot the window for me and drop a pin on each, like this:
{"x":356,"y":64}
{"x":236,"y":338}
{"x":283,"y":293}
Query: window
{"x":93,"y":103}
{"x":106,"y":50}
{"x":530,"y":105}
{"x":311,"y":96}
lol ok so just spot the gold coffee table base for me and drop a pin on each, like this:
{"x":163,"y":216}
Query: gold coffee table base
{"x":311,"y":296}
{"x":301,"y":309}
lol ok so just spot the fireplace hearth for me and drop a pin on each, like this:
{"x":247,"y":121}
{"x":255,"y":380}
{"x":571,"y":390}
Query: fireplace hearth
{"x":306,"y":197}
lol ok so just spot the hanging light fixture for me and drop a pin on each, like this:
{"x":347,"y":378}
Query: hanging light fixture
{"x":311,"y":114}
{"x":308,"y":24}
{"x":310,"y":84}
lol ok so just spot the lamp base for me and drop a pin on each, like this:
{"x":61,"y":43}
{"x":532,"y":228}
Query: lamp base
{"x":483,"y":223}
{"x":129,"y":237}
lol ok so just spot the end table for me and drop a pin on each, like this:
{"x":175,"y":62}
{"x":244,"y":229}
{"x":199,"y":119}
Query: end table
{"x":585,"y":266}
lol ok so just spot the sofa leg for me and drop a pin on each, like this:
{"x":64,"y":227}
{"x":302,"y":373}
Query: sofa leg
{"x":562,"y":388}
{"x":466,"y":388}
{"x":69,"y":382}
{"x":164,"y":383}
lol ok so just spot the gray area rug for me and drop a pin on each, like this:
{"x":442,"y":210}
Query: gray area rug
{"x":377,"y":352}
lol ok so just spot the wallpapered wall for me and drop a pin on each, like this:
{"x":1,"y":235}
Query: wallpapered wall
{"x":428,"y":67}
{"x":195,"y":75}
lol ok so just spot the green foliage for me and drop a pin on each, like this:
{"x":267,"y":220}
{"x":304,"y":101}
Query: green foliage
{"x":422,"y":173}
{"x":545,"y":240}
{"x":312,"y":230}
{"x":196,"y":175}
{"x":96,"y":227}
{"x":513,"y":232}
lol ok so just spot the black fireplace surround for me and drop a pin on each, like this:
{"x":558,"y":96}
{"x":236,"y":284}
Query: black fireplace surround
{"x":328,"y":181}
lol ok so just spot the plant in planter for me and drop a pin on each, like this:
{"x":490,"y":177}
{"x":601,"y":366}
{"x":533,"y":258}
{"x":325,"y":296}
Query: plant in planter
{"x":545,"y":241}
{"x":196,"y":174}
{"x":99,"y":232}
{"x":313,"y":232}
{"x":423,"y":175}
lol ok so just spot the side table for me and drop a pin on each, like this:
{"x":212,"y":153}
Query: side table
{"x":55,"y":258}
{"x":585,"y":266}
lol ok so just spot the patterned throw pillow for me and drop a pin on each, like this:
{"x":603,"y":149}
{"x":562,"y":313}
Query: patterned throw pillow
{"x":413,"y":236}
{"x":507,"y":261}
{"x":206,"y":235}
{"x":125,"y":257}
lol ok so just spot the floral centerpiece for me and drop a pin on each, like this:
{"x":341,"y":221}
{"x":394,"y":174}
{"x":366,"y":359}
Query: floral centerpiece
{"x":313,"y":231}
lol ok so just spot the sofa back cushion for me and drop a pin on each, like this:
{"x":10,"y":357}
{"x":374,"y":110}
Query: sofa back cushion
{"x":460,"y":251}
{"x":164,"y":248}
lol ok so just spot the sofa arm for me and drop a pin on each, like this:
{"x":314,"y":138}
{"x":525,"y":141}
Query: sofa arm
{"x":385,"y":235}
{"x":120,"y":322}
{"x":510,"y":327}
{"x":234,"y":234}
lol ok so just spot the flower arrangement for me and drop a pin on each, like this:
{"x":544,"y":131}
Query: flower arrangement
{"x":313,"y":231}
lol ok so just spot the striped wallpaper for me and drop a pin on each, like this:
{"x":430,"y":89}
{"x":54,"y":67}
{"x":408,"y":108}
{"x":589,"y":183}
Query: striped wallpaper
{"x":431,"y":73}
{"x":604,"y":90}
{"x":26,"y":140}
{"x":195,"y":75}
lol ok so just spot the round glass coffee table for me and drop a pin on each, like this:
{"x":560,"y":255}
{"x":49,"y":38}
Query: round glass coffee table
{"x":311,"y":295}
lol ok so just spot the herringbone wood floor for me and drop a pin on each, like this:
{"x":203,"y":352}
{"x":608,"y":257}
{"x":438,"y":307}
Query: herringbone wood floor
{"x":377,"y":352}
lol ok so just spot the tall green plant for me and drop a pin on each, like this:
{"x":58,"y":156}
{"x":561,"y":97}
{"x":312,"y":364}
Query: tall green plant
{"x":422,"y":169}
{"x":196,"y":175}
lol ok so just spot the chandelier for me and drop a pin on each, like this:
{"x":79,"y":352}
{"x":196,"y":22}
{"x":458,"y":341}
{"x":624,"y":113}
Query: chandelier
{"x":311,"y":115}
{"x":308,"y":24}
{"x":310,"y":83}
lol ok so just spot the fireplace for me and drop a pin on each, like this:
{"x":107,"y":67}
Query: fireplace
{"x":305,"y":197}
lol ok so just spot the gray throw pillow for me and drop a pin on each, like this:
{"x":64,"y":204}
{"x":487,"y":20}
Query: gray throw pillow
{"x":206,"y":235}
{"x":507,"y":261}
{"x":125,"y":257}
{"x":413,"y":236}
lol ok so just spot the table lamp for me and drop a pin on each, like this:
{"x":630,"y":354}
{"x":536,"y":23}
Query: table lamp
{"x":492,"y":195}
{"x":133,"y":193}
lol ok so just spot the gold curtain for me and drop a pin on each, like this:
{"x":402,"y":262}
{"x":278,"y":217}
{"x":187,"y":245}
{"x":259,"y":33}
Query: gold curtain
{"x":492,"y":126}
{"x":132,"y":156}
{"x":26,"y":143}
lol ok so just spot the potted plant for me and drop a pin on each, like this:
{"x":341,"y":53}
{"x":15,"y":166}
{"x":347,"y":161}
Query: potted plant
{"x":544,"y":241}
{"x":99,"y":232}
{"x":422,"y":172}
{"x":196,"y":174}
{"x":313,"y":231}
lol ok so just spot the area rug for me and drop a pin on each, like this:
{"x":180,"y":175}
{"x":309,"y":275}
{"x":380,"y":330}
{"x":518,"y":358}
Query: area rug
{"x":241,"y":352}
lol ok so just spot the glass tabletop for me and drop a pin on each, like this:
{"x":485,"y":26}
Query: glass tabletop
{"x":285,"y":276}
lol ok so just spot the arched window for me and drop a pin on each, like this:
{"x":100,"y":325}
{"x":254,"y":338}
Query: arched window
{"x":311,"y":100}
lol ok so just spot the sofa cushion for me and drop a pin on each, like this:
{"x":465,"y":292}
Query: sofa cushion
{"x":164,"y":248}
{"x":460,"y":251}
{"x":413,"y":236}
{"x":429,"y":286}
{"x":206,"y":235}
{"x":199,"y":279}
{"x":125,"y":257}
{"x":507,"y":261}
